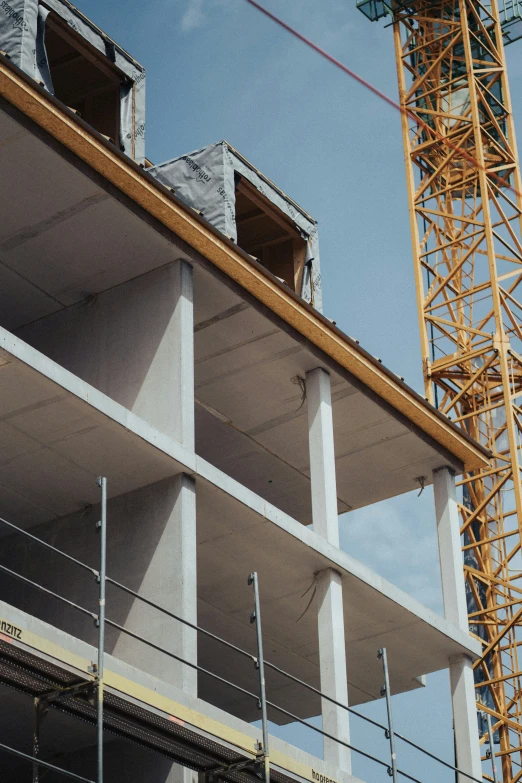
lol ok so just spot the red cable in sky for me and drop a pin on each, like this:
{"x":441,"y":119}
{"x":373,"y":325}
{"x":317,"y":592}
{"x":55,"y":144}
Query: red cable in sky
{"x":338,"y":64}
{"x":325,"y":54}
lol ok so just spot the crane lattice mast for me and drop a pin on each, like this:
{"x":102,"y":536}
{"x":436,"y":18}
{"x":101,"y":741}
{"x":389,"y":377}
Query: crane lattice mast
{"x":465,"y":200}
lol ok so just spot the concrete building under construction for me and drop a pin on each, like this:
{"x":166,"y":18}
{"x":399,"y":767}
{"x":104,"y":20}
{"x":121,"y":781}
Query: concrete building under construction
{"x":176,"y":415}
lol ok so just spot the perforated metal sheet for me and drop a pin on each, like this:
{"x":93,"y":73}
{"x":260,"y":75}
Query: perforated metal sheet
{"x":42,"y":668}
{"x":184,"y":744}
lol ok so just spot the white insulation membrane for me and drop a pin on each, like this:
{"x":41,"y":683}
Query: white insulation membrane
{"x":22,"y":37}
{"x":206,"y":181}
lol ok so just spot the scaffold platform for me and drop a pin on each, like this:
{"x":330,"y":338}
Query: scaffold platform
{"x":139,"y":710}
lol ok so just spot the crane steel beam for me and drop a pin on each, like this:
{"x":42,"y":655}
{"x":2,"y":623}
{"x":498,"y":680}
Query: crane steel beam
{"x":464,"y":190}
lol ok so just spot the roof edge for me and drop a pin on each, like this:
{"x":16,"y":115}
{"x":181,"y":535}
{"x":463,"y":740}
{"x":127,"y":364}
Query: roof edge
{"x":88,"y":145}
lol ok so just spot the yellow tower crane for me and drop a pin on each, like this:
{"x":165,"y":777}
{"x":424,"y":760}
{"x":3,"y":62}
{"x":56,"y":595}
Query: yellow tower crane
{"x":465,"y":201}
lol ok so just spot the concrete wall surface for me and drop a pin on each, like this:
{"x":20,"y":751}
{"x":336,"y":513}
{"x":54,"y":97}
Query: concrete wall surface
{"x":122,"y":342}
{"x":144,"y":553}
{"x":124,"y":762}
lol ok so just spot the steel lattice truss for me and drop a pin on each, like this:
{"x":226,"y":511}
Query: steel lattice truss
{"x":465,"y":207}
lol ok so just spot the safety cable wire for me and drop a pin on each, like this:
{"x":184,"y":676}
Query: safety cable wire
{"x":49,"y":546}
{"x":45,"y":590}
{"x":282,"y":672}
{"x":168,"y":613}
{"x":180,"y":659}
{"x":231,"y":646}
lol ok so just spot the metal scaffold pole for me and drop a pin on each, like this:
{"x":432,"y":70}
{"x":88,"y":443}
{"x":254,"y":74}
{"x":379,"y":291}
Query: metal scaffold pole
{"x":491,"y":748}
{"x":385,"y":691}
{"x":255,"y":617}
{"x":102,"y":529}
{"x":39,"y":711}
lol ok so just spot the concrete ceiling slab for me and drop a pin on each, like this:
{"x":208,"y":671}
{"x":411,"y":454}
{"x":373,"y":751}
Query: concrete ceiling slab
{"x":55,"y":441}
{"x":101,"y":261}
{"x":48,"y":191}
{"x":60,"y":433}
{"x":249,"y":378}
{"x":63,"y":236}
{"x":66,"y":235}
{"x":279,"y":482}
{"x":287,"y":557}
{"x":20,"y":301}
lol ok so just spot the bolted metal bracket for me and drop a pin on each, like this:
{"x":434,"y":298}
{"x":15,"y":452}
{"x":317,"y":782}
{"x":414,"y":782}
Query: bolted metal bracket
{"x":41,"y":705}
{"x":235,"y":766}
{"x":79,"y":689}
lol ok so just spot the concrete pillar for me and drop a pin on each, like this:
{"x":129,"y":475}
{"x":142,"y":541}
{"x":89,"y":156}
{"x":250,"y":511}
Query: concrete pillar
{"x":168,"y":577}
{"x":332,"y":652}
{"x":465,"y":717}
{"x":183,"y":353}
{"x":171,"y":577}
{"x":172,"y":573}
{"x":332,"y":663}
{"x":165,"y":396}
{"x":322,"y":456}
{"x":183,"y":424}
{"x":455,"y":610}
{"x":135,"y":343}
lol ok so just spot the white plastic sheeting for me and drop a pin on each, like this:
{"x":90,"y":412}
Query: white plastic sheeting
{"x":22,"y":37}
{"x":205,"y":180}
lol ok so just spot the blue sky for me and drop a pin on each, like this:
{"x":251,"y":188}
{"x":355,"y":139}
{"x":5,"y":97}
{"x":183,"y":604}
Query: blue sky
{"x":218,"y":69}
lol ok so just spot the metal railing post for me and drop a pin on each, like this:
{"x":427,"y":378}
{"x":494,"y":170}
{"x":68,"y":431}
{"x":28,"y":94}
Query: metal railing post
{"x":255,"y":617}
{"x":36,"y":739}
{"x":385,"y":691}
{"x":97,"y":670}
{"x":491,"y":748}
{"x":101,"y":526}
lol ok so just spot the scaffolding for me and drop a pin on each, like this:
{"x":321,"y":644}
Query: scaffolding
{"x":53,"y":686}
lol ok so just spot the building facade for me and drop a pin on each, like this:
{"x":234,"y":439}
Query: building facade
{"x":233,"y":423}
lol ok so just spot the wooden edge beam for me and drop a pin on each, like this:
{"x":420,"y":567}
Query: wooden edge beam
{"x":32,"y":100}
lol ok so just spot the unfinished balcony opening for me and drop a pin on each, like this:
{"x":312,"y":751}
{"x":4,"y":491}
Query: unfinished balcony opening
{"x":249,"y":209}
{"x":83,"y":78}
{"x":266,"y":233}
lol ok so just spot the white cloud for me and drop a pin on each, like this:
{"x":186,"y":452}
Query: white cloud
{"x":193,"y":17}
{"x":397,"y":538}
{"x":197,"y":12}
